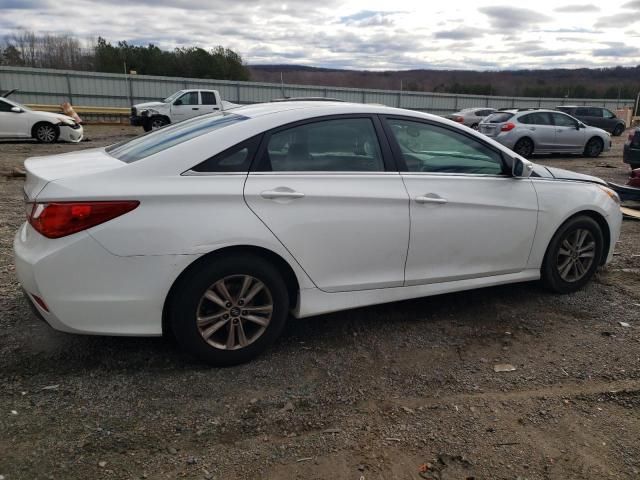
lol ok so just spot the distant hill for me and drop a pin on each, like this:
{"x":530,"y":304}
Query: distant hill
{"x":622,"y":82}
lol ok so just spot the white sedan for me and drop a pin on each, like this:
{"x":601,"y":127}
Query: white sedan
{"x":19,"y":121}
{"x":217,"y":228}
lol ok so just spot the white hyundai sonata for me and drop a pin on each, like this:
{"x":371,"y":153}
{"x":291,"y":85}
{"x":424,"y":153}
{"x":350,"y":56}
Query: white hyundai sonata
{"x":217,"y":228}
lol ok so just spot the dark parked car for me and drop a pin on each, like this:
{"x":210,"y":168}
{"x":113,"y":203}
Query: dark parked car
{"x":597,"y":117}
{"x":631,"y":153}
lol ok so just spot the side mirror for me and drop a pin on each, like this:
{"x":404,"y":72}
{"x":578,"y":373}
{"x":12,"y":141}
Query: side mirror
{"x":521,"y":168}
{"x":177,"y":103}
{"x":16,"y":110}
{"x":580,"y":125}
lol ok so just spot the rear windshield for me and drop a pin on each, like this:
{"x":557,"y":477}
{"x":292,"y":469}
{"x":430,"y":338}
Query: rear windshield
{"x":133,"y":150}
{"x":498,"y":117}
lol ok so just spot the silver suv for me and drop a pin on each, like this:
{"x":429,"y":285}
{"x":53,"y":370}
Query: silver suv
{"x":531,"y":131}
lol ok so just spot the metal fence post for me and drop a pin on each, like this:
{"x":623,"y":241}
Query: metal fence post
{"x":238,"y":92}
{"x":69,"y":94}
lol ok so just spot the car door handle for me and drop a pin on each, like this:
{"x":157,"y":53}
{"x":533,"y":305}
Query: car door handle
{"x":195,"y":108}
{"x":533,"y":129}
{"x":273,"y":194}
{"x":430,"y":198}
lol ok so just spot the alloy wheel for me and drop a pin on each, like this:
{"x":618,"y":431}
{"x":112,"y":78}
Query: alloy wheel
{"x":576,"y":255}
{"x":234,"y":312}
{"x":46,"y":133}
{"x":157,"y":123}
{"x":594,"y":147}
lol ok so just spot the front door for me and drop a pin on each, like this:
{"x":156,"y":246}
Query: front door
{"x":186,"y":106}
{"x":327,"y":191}
{"x":12,"y":124}
{"x":469,"y":218}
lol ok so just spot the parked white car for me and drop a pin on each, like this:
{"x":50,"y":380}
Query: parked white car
{"x":19,"y":121}
{"x":216,"y":228}
{"x":181,"y":105}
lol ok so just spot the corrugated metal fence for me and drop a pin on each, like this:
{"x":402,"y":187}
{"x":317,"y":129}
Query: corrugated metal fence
{"x":45,"y":86}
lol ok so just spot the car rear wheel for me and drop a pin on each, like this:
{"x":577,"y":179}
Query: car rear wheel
{"x":594,"y":147}
{"x":524,"y":147}
{"x":618,"y":130}
{"x":475,"y":126}
{"x":46,"y":132}
{"x":229,"y":310}
{"x":573,"y":255}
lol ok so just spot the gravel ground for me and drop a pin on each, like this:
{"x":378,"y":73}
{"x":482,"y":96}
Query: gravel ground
{"x":398,"y":391}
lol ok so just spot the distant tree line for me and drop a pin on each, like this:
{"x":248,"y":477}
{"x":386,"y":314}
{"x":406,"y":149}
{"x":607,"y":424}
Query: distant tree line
{"x":28,"y":49}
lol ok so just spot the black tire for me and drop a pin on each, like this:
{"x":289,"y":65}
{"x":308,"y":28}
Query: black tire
{"x":187,"y":301}
{"x":554,"y":260}
{"x":594,"y":147}
{"x":618,"y":130}
{"x":524,"y":147}
{"x":475,"y":126}
{"x":45,"y":132}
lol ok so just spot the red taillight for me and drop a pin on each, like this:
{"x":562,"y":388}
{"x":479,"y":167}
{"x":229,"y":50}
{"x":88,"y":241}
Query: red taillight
{"x":457,"y":119}
{"x":507,"y":127}
{"x":40,"y":302}
{"x":632,"y":133}
{"x":58,"y":219}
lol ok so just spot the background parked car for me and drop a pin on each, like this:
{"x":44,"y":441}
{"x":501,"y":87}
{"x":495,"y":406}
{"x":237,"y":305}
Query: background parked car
{"x":182,"y":105}
{"x":532,"y":131}
{"x":596,"y":117}
{"x":19,"y":121}
{"x":631,"y":153}
{"x":471,"y":117}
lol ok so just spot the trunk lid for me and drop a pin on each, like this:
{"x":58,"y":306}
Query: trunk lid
{"x":42,"y":170}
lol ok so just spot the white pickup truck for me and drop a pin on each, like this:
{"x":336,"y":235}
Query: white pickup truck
{"x":180,"y":106}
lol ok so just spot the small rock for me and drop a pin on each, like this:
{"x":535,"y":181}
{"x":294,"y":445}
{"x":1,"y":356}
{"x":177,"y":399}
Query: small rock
{"x":332,"y":430}
{"x":172,"y":450}
{"x":361,"y":468}
{"x":102,"y":464}
{"x":192,"y":460}
{"x":253,"y":401}
{"x":14,"y":412}
{"x":288,"y":407}
{"x":408,"y":410}
{"x":624,"y":324}
{"x":50,"y":387}
{"x":503,"y":367}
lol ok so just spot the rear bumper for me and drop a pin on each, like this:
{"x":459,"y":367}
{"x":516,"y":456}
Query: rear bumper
{"x":88,"y":290}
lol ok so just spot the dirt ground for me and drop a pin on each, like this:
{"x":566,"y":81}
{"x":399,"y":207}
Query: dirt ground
{"x":397,"y":391}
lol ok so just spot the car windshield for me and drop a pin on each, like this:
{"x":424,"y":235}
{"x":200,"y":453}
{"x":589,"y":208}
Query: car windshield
{"x":133,"y":150}
{"x":498,"y":117}
{"x":172,"y":97}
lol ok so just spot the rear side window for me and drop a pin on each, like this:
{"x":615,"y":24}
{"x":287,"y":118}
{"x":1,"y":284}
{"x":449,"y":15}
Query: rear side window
{"x":208,"y":98}
{"x":234,"y":159}
{"x":170,"y":136}
{"x":498,"y":117}
{"x":341,"y":145}
{"x":5,"y":107}
{"x":537,"y":118}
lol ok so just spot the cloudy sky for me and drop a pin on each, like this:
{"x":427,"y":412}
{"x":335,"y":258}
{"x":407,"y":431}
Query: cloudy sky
{"x":361,"y":34}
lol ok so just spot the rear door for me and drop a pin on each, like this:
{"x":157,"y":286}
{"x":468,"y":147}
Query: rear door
{"x":328,"y":190}
{"x":185,"y":106}
{"x":209,"y":102}
{"x":590,"y":116}
{"x":541,"y":129}
{"x":569,"y":137}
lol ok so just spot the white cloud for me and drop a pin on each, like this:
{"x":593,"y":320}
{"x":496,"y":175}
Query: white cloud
{"x":362,"y":34}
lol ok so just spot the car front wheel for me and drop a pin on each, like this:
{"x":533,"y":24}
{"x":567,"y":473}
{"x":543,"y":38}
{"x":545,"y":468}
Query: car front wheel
{"x":46,"y":132}
{"x":228,"y":310}
{"x":618,"y":130}
{"x":573,"y":255}
{"x":594,"y":147}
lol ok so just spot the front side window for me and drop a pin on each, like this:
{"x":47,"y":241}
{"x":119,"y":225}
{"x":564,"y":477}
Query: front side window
{"x":340,"y":145}
{"x":5,"y":107}
{"x":208,"y":98}
{"x":607,"y":113}
{"x":170,"y":136}
{"x":189,"y":98}
{"x":563,"y":120}
{"x":430,"y":148}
